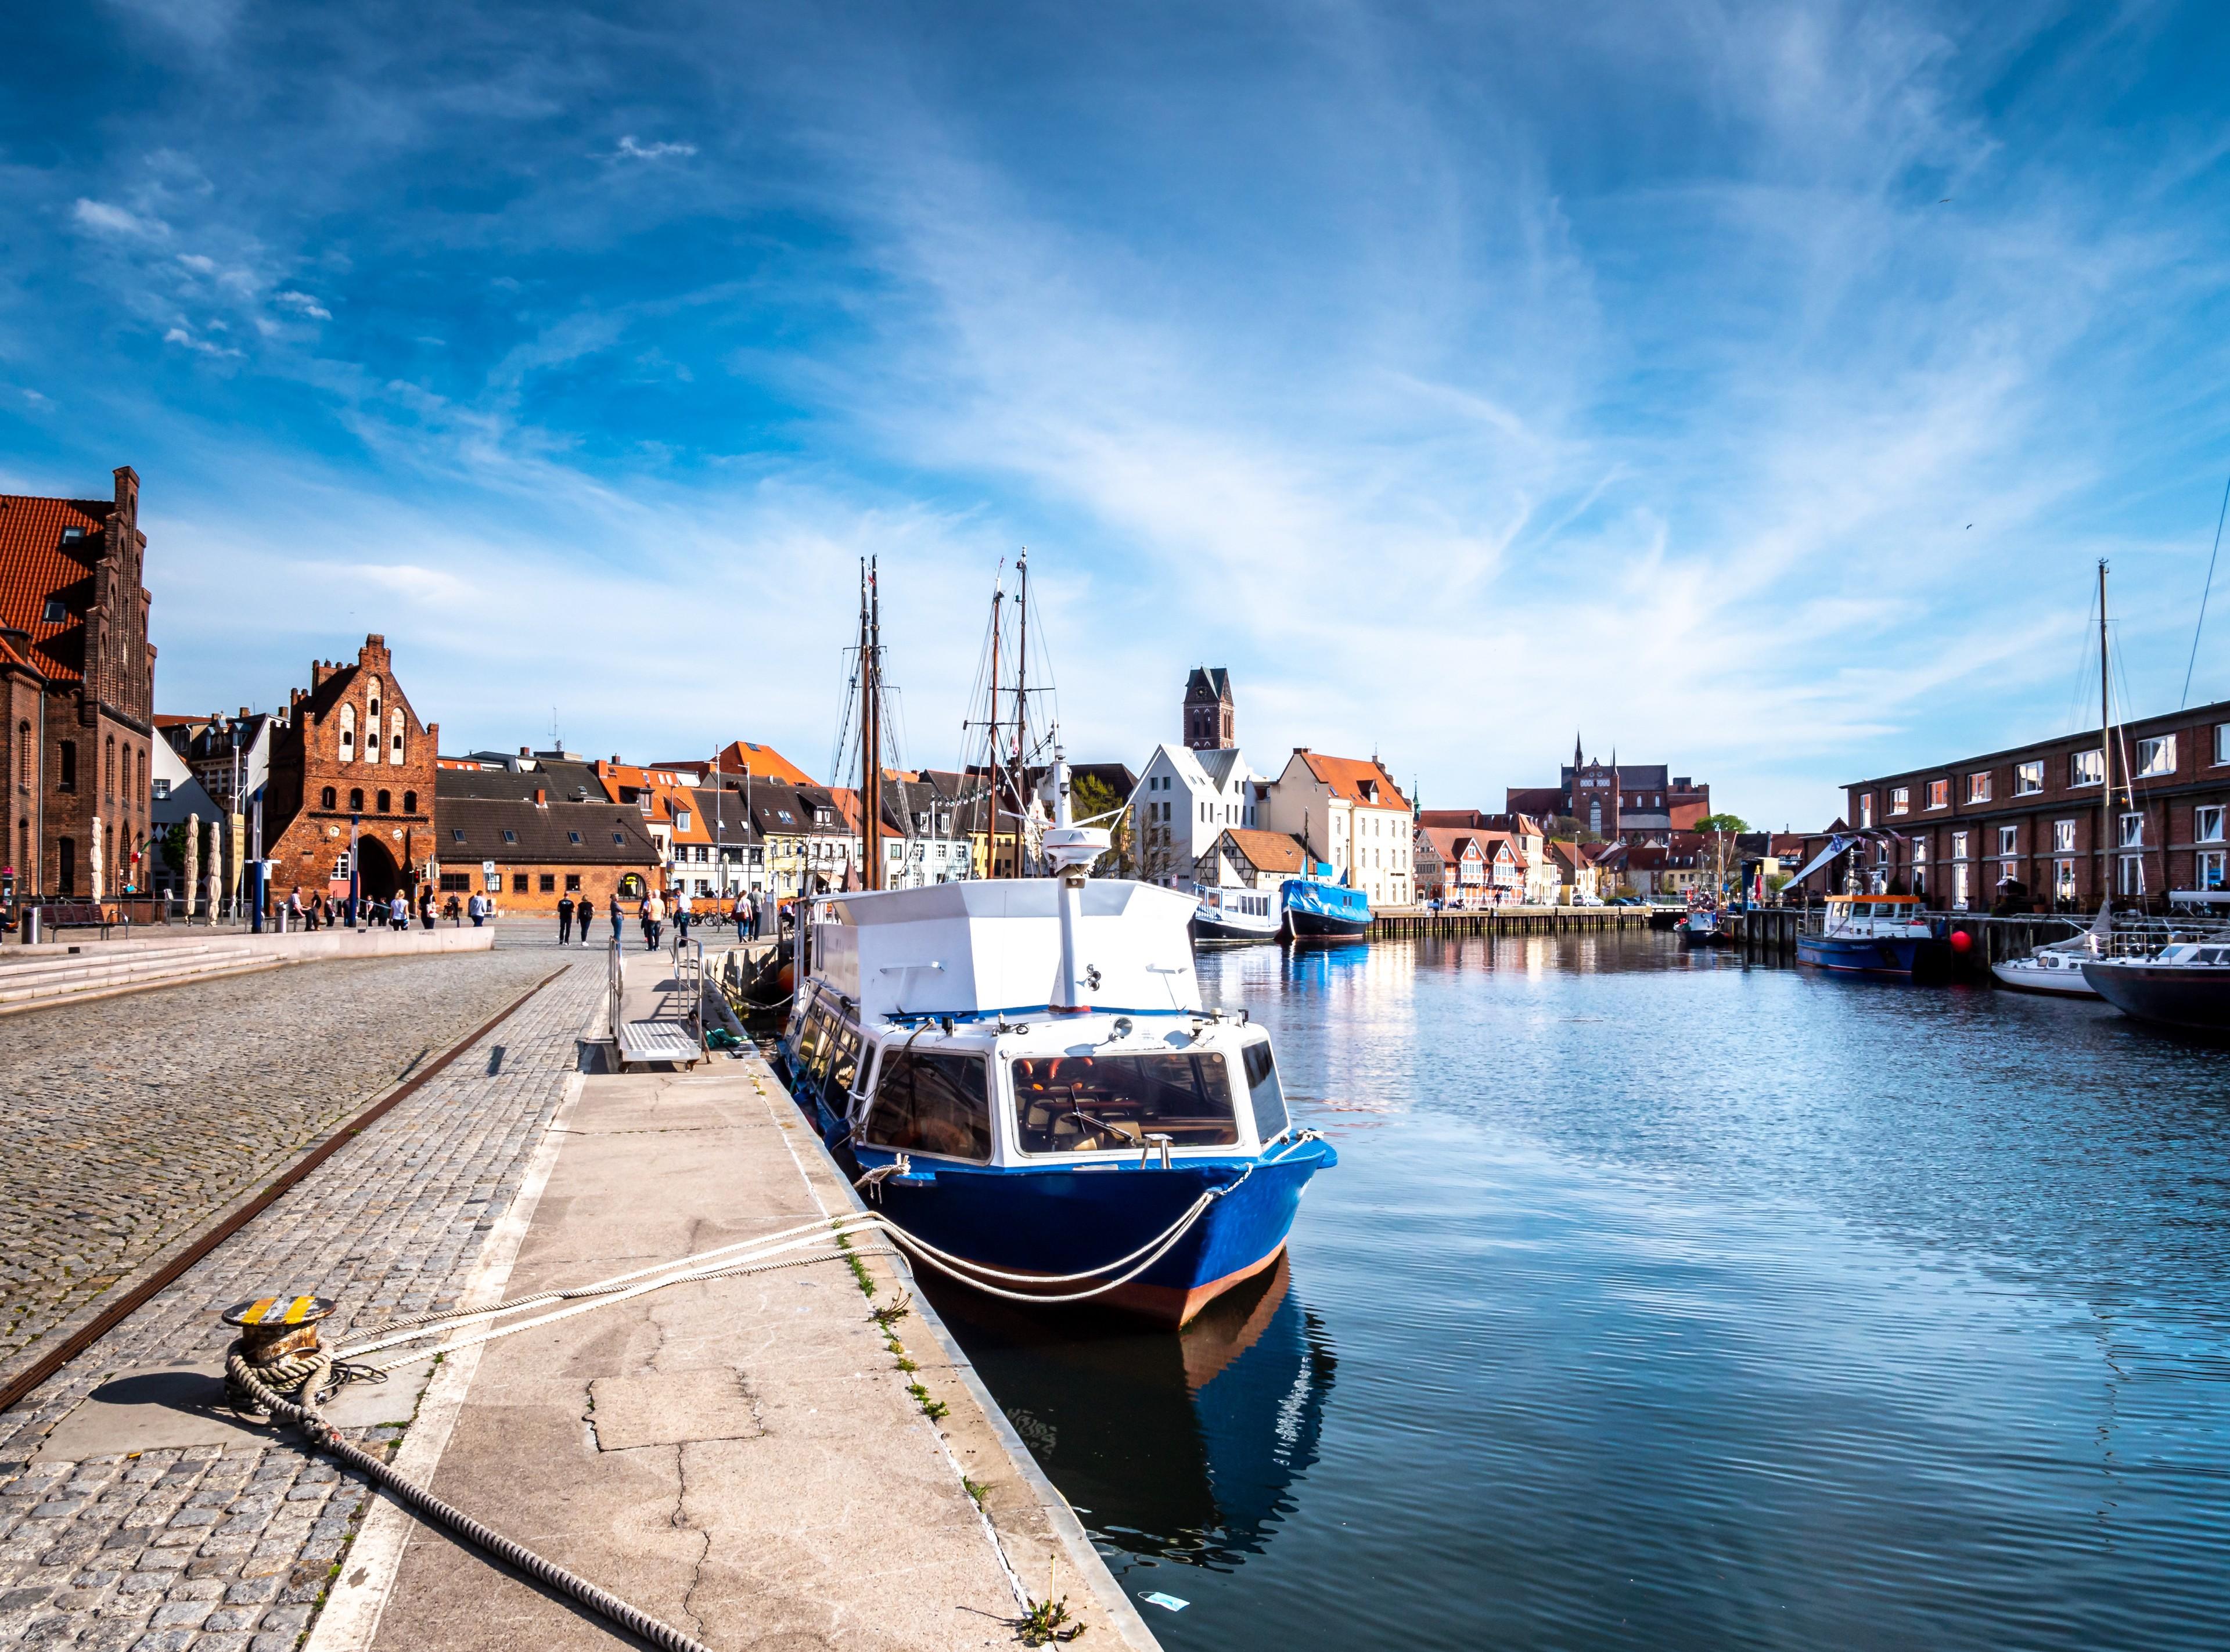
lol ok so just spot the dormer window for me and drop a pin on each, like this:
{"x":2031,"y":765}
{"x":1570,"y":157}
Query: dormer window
{"x":71,"y":535}
{"x":55,"y":612}
{"x":681,"y":821}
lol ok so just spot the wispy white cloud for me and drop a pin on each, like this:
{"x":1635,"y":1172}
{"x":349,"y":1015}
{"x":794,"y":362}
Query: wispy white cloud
{"x":630,"y":149}
{"x":105,"y":218}
{"x":303,"y":303}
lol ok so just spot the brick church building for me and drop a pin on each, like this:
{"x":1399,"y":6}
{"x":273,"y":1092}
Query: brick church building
{"x":77,"y":677}
{"x":351,"y":753}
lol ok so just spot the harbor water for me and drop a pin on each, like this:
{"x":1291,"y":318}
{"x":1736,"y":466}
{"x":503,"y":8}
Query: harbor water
{"x":1661,"y":1301}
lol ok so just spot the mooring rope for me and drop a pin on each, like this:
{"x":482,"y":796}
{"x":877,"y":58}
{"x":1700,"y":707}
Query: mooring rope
{"x":305,"y":1419}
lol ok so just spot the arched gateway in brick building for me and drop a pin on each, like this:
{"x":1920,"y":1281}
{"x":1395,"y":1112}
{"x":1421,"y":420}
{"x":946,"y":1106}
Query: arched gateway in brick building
{"x":352,"y":753}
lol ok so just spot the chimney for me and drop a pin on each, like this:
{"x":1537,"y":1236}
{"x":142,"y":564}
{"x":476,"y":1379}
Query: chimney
{"x":541,"y":798}
{"x":243,"y":714}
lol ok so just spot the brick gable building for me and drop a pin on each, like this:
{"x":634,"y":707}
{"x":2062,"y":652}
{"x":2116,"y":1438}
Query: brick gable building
{"x":77,"y":679}
{"x":351,"y":752}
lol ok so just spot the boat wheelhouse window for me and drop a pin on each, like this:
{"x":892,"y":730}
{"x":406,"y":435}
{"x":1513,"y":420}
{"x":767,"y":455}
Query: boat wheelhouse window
{"x":1270,"y":1117}
{"x":814,"y":1039}
{"x":2210,"y":954}
{"x":1107,"y":1103}
{"x":843,"y":1067}
{"x":927,"y":1101}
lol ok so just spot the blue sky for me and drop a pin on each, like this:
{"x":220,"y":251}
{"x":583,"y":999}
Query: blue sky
{"x":1460,"y":376}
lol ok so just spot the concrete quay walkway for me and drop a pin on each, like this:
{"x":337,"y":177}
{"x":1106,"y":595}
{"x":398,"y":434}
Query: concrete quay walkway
{"x":755,"y":1459}
{"x":747,"y":1459}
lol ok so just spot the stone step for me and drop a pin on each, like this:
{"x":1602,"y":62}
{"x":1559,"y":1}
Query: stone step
{"x":129,"y":979}
{"x":62,"y":966}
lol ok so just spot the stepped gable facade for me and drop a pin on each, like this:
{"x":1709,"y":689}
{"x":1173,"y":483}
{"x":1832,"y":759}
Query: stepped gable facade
{"x":77,"y":684}
{"x":353,"y":761}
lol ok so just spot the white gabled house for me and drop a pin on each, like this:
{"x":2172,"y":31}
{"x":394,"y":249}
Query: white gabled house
{"x":1185,"y":800}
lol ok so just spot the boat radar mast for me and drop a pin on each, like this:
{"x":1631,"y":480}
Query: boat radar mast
{"x":1069,"y":851}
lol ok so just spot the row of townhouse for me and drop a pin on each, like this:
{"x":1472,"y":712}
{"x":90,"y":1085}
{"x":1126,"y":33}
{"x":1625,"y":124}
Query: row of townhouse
{"x":1467,"y":859}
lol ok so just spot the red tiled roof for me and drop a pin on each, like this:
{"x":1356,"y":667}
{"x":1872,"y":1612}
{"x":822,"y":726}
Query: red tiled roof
{"x":1268,"y":852}
{"x":35,"y":565}
{"x":1345,"y":774}
{"x":764,"y":763}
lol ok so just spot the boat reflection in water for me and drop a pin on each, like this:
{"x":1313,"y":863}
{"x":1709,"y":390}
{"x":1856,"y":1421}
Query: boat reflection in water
{"x":1171,"y":1447}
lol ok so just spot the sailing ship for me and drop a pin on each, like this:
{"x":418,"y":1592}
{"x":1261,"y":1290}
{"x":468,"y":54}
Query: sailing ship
{"x":1024,"y":1071}
{"x":2056,"y":970}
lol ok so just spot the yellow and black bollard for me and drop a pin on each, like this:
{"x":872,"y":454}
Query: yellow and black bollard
{"x":278,"y":1341}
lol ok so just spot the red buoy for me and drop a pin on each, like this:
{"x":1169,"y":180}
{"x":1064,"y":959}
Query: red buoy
{"x":1960,"y":940}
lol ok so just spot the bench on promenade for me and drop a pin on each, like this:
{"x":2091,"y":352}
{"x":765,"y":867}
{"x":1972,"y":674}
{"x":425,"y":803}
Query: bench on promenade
{"x":72,"y":915}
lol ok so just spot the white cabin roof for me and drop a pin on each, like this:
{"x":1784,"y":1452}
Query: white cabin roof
{"x":995,"y":944}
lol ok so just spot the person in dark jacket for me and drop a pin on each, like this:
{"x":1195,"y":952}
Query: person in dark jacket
{"x":564,"y":920}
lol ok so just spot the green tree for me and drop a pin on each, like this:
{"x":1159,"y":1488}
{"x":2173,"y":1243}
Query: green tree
{"x":1088,"y":796}
{"x":1722,"y":823}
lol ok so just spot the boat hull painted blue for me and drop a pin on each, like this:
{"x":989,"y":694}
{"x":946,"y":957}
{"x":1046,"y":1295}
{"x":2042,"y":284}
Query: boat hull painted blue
{"x":1860,"y":955}
{"x":1049,"y":1220}
{"x":1317,"y":909}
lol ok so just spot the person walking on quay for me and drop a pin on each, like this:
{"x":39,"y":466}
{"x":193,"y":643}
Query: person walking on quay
{"x":616,"y":917}
{"x":585,"y":911}
{"x":654,"y":917}
{"x":426,"y":905}
{"x":681,"y":915}
{"x":564,"y":920}
{"x":398,"y":911}
{"x":737,"y":916}
{"x":477,"y":907}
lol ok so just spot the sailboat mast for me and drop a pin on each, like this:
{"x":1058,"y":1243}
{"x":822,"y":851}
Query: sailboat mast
{"x":871,"y":731}
{"x":2105,"y":751}
{"x":998,"y":602}
{"x":1022,"y":703}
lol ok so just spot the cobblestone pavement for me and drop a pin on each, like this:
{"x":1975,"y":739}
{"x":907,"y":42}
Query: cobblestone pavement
{"x":228,"y":1548}
{"x":131,"y":1122}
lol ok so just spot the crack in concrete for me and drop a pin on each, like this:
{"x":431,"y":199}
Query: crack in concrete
{"x":680,"y":1522}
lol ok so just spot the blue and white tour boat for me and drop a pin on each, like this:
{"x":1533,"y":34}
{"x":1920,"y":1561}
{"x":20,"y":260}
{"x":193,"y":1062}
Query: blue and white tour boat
{"x":1024,"y":1071}
{"x":1317,"y":907}
{"x":1237,"y":914}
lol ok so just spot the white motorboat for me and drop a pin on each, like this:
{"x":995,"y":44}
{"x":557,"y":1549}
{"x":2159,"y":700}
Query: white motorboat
{"x":2057,"y":970}
{"x":1237,"y":914}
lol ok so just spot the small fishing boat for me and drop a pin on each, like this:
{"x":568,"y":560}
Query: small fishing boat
{"x":1317,"y":908}
{"x":1699,"y":928}
{"x":1237,"y":914}
{"x":1869,"y":934}
{"x":2185,"y":984}
{"x":1024,"y":1071}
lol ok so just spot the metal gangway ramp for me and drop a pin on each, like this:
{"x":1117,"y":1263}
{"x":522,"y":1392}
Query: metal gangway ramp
{"x":661,"y":1022}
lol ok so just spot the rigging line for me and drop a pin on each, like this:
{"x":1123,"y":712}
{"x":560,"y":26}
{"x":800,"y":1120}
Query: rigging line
{"x":2204,"y":590}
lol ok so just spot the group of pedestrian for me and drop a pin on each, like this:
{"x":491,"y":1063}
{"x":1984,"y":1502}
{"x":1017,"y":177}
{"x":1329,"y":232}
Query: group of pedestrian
{"x":582,"y":912}
{"x":653,"y":912}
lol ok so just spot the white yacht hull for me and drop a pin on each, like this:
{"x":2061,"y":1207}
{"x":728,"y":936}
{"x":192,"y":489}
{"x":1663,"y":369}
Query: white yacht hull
{"x":2027,"y":975}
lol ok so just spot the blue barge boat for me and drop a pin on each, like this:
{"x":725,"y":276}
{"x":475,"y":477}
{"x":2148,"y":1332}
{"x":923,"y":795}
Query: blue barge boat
{"x":1318,"y":908}
{"x":1041,"y":1106}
